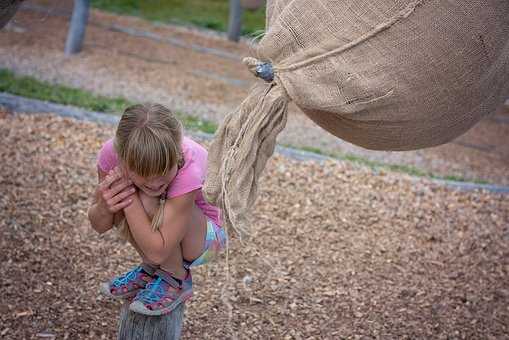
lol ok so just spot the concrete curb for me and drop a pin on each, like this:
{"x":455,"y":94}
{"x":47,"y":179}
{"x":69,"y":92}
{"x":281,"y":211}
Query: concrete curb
{"x":26,"y":105}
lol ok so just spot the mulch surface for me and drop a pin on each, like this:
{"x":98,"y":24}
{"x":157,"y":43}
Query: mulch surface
{"x":336,"y":251}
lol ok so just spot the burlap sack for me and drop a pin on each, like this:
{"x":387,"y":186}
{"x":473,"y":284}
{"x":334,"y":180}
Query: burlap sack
{"x":382,"y":74}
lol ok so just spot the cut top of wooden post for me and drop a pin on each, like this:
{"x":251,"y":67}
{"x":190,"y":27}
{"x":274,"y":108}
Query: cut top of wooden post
{"x":135,"y":326}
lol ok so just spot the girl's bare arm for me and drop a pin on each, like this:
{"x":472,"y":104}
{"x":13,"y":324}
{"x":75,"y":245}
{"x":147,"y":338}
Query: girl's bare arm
{"x":157,"y":244}
{"x":111,"y":196}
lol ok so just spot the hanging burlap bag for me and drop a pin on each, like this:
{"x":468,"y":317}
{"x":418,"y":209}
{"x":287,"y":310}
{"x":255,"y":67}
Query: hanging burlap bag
{"x":382,"y":74}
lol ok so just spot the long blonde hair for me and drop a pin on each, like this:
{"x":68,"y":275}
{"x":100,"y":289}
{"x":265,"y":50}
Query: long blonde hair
{"x":148,"y":142}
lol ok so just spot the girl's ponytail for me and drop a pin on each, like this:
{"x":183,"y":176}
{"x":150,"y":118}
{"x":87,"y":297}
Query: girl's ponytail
{"x":157,"y":220}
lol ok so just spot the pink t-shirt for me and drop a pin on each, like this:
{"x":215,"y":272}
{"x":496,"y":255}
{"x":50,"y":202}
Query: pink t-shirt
{"x":190,"y":177}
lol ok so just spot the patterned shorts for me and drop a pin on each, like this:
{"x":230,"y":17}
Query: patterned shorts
{"x":215,"y":242}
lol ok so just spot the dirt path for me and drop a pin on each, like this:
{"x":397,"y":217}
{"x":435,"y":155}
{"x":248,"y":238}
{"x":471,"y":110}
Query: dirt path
{"x":153,"y":67}
{"x":336,"y":251}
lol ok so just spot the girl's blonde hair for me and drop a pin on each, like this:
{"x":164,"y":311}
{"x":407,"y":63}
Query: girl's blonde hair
{"x":148,"y":142}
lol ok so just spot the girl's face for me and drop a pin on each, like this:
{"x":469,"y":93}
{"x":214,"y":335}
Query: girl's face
{"x":153,"y":186}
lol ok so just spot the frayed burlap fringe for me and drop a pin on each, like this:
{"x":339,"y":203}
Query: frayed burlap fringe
{"x":240,"y":150}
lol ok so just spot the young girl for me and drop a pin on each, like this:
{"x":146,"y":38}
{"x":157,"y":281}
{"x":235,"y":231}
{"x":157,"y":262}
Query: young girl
{"x":150,"y":180}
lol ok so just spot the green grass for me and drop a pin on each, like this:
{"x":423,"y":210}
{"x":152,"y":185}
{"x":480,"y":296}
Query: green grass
{"x":461,"y":179}
{"x":211,"y":14}
{"x":314,"y":150}
{"x":193,"y":123}
{"x":32,"y":88}
{"x":407,"y":169}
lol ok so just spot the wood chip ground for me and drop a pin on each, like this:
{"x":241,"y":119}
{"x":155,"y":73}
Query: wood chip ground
{"x":336,"y":251}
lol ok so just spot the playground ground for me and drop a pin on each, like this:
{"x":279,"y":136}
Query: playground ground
{"x":337,"y":250}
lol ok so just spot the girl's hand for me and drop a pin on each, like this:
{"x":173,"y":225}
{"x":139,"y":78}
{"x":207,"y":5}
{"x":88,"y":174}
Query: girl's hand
{"x":115,"y":191}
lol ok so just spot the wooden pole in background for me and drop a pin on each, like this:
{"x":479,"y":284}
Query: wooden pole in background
{"x":235,"y":20}
{"x":77,"y":27}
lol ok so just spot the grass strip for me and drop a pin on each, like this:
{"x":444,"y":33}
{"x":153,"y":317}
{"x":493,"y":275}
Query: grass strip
{"x":212,"y":14}
{"x":375,"y":165}
{"x":30,"y":87}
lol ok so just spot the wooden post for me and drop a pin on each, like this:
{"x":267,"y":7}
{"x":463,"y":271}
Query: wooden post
{"x":135,"y":326}
{"x":77,"y":28}
{"x":235,"y":20}
{"x":7,"y":10}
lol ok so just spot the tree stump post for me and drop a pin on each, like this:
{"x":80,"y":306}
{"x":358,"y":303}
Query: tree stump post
{"x":77,"y":27}
{"x":135,"y":326}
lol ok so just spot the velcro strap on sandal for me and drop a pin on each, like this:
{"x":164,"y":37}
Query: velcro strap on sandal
{"x":148,"y":268}
{"x":168,"y":278}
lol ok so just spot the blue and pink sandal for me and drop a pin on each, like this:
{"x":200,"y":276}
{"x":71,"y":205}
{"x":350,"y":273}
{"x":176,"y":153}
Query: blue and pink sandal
{"x":163,"y":294}
{"x":128,"y":285}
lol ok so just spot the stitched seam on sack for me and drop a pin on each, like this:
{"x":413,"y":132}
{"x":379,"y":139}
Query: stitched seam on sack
{"x":368,"y":99}
{"x":292,"y":32}
{"x":403,"y":14}
{"x":359,"y":101}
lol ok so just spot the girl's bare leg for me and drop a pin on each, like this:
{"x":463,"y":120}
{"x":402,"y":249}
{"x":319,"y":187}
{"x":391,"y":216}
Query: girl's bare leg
{"x":144,"y":259}
{"x":191,"y":246}
{"x":174,"y":264}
